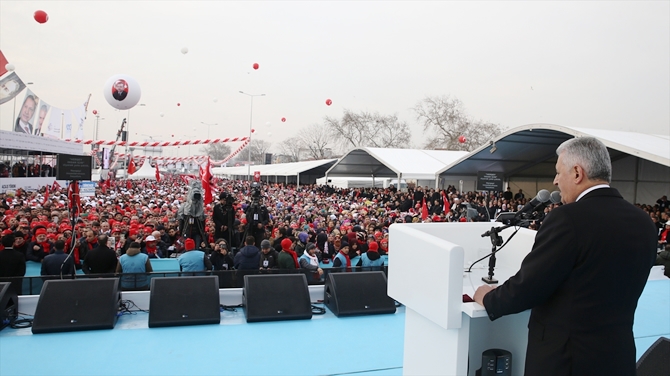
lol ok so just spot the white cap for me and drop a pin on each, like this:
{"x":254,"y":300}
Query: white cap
{"x":150,"y":238}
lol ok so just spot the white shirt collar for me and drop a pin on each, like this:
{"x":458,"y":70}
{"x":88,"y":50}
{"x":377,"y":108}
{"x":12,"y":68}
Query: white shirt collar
{"x":591,"y":189}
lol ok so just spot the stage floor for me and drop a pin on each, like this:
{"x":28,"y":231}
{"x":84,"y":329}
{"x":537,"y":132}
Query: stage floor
{"x":324,"y":345}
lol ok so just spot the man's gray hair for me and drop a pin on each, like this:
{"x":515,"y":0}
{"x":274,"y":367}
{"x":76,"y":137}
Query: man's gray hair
{"x":589,"y":153}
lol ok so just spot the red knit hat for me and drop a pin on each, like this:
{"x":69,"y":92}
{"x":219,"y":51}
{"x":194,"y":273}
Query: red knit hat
{"x":373,"y":246}
{"x":189,"y":244}
{"x":286,"y":244}
{"x":41,"y":231}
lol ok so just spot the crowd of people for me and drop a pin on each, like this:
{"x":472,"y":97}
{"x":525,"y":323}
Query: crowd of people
{"x":249,"y":226}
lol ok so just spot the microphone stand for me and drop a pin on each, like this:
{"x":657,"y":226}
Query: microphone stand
{"x":496,"y":241}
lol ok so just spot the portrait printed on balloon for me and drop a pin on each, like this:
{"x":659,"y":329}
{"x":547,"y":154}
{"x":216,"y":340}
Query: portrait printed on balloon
{"x":10,"y":87}
{"x":24,"y":122}
{"x":120,"y":89}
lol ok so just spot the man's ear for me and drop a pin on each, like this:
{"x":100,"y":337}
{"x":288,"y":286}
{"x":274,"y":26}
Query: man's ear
{"x":579,"y":174}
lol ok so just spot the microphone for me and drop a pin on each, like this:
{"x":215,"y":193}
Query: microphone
{"x":554,"y":198}
{"x":542,"y":196}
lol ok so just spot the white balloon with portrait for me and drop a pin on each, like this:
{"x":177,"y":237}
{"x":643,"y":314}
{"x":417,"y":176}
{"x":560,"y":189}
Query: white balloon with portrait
{"x":122,"y":92}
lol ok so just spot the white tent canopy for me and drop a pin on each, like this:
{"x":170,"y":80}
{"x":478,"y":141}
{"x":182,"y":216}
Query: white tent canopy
{"x":145,"y":172}
{"x":306,"y":172}
{"x":526,"y":158}
{"x":394,"y":163}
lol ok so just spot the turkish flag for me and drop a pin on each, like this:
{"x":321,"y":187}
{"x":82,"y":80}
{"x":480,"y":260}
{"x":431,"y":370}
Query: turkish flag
{"x":257,"y":176}
{"x":158,"y":174}
{"x":445,"y":202}
{"x":131,"y":167}
{"x":55,"y":186}
{"x":46,"y":196}
{"x":3,"y":62}
{"x":424,"y":210}
{"x":206,"y":181}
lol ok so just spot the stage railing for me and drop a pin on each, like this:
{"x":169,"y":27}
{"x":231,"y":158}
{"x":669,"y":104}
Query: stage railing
{"x":141,"y":281}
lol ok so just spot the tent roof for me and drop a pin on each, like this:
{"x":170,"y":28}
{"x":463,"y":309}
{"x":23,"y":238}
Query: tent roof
{"x":380,"y":162}
{"x":530,"y":150}
{"x":145,"y":172}
{"x":280,"y":169}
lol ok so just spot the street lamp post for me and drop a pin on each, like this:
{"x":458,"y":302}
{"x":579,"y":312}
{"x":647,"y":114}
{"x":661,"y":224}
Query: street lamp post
{"x":208,"y":125}
{"x":128,"y":128}
{"x":251,"y":113}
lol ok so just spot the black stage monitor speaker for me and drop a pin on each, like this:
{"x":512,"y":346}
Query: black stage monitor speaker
{"x":77,"y":304}
{"x":359,"y":293}
{"x":9,"y":304}
{"x":656,"y":360}
{"x":276,"y":297}
{"x":178,"y":301}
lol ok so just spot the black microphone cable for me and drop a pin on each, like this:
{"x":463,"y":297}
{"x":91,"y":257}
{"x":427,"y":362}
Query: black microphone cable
{"x":498,"y":250}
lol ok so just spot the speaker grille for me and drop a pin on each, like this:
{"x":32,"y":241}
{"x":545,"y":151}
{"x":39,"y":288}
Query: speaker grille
{"x":360,"y":293}
{"x":71,"y":305}
{"x":178,"y":301}
{"x":276,"y":297}
{"x":656,"y":360}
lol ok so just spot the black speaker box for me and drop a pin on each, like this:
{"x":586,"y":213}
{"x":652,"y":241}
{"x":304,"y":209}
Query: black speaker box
{"x":9,"y":303}
{"x":77,"y":304}
{"x":176,"y":301}
{"x":357,"y":293}
{"x":656,"y":360}
{"x":276,"y":297}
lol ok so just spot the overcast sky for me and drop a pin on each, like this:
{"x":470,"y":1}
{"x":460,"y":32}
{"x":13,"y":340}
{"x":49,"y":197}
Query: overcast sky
{"x":584,"y":64}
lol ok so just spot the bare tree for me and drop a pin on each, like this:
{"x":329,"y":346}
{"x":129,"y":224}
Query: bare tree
{"x":216,"y":151}
{"x":367,"y":129}
{"x":447,"y":120}
{"x":315,"y":139}
{"x":258,"y":149}
{"x":291,"y":147}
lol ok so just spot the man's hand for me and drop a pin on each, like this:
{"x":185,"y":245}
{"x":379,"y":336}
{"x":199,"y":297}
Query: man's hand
{"x":320,"y":271}
{"x":481,"y":292}
{"x":36,"y":248}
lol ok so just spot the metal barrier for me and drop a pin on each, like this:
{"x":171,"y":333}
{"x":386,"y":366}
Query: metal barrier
{"x":142,"y":281}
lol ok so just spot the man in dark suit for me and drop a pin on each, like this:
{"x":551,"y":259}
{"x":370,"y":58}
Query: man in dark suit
{"x":23,"y":124}
{"x":583,"y":277}
{"x":12,"y":263}
{"x":101,"y":259}
{"x":120,"y":92}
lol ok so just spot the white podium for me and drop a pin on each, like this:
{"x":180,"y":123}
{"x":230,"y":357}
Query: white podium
{"x":427,"y":273}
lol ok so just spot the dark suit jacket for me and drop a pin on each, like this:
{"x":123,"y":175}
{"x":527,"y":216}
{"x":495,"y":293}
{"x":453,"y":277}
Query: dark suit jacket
{"x":582,"y":279}
{"x":119,"y":96}
{"x":100,"y":260}
{"x":18,"y":128}
{"x":12,"y":264}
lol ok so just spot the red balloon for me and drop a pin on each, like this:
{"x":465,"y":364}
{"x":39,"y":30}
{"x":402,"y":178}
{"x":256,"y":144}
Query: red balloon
{"x":41,"y":16}
{"x":329,"y":102}
{"x":283,"y":120}
{"x":461,"y":139}
{"x":256,"y":65}
{"x":253,"y":130}
{"x":178,"y":104}
{"x":95,"y":112}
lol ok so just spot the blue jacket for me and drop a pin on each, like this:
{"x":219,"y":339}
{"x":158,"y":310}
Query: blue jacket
{"x":133,"y":262}
{"x":194,"y":261}
{"x":367,"y":261}
{"x":342,"y":259}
